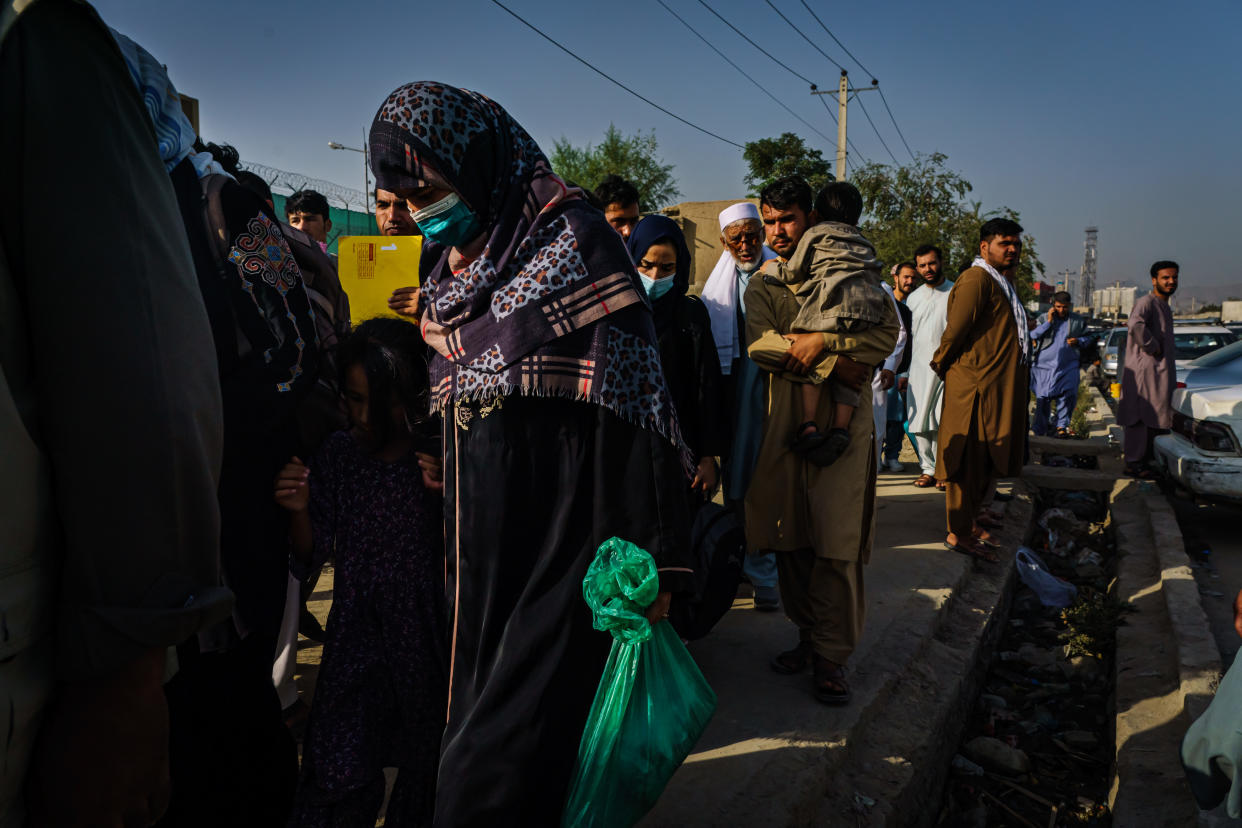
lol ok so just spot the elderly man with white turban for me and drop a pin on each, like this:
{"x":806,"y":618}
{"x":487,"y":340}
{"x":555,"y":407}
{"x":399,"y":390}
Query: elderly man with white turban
{"x":741,"y":234}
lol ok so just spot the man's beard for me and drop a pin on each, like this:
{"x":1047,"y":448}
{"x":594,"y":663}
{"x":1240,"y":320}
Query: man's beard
{"x":748,"y":267}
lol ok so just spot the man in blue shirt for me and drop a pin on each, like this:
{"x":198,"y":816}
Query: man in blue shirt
{"x":1054,"y":373}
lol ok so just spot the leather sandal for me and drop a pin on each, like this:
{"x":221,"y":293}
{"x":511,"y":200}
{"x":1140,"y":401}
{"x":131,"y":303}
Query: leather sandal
{"x":834,"y":444}
{"x":925,"y":481}
{"x":806,"y":441}
{"x":792,"y":662}
{"x":973,"y":550}
{"x":830,"y":684}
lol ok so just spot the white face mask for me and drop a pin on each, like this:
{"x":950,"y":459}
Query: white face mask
{"x":432,"y":210}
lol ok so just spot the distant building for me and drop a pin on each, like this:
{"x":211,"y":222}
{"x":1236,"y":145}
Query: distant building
{"x":1117,"y":300}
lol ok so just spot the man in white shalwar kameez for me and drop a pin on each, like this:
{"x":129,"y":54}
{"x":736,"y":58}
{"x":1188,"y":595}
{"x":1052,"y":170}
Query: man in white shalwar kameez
{"x":925,"y":394}
{"x":741,"y":234}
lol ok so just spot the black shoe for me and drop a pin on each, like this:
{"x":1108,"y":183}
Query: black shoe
{"x":309,"y":626}
{"x":830,"y":451}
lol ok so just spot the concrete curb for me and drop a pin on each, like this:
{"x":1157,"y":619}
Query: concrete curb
{"x":1166,"y":662}
{"x":902,"y":759}
{"x":1198,"y":658}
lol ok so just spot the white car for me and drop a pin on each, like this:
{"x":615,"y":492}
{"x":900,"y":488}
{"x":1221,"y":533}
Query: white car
{"x":1203,"y":452}
{"x":1189,"y":341}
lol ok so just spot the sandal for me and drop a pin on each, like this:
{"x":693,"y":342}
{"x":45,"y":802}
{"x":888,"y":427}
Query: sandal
{"x":989,"y":521}
{"x":940,"y":485}
{"x":792,"y":662}
{"x":925,"y":481}
{"x":806,"y":441}
{"x":830,"y":684}
{"x":975,"y":551}
{"x":834,"y":444}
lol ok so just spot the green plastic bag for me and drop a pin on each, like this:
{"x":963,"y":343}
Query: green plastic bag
{"x":652,"y":704}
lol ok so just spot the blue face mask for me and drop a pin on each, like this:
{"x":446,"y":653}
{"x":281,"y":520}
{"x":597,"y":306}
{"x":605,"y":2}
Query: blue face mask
{"x":449,"y":221}
{"x":656,"y":287}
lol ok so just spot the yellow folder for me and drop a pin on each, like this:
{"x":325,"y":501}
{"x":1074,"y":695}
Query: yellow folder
{"x":372,"y":267}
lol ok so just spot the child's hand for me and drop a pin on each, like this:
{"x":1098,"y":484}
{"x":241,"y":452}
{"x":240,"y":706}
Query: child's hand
{"x":404,"y":300}
{"x":292,"y":488}
{"x":433,"y":471}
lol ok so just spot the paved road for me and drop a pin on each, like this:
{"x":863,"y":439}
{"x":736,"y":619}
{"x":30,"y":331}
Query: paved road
{"x":1214,"y":530}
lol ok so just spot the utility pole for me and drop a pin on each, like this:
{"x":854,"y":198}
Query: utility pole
{"x":844,"y":92}
{"x":842,"y":101}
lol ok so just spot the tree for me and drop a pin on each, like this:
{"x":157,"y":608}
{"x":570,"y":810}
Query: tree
{"x":773,"y":158}
{"x":925,"y":203}
{"x":634,"y":158}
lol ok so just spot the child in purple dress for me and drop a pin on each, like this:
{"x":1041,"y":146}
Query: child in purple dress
{"x":380,"y":699}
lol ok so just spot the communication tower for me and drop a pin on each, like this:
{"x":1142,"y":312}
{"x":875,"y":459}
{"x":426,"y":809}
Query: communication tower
{"x":1087,"y":283}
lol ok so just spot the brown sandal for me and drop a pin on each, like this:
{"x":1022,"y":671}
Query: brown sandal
{"x":792,"y":662}
{"x":973,"y":550}
{"x":925,"y":481}
{"x":830,"y":684}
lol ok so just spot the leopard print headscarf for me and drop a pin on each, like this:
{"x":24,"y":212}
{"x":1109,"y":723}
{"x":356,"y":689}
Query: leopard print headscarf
{"x":552,"y":306}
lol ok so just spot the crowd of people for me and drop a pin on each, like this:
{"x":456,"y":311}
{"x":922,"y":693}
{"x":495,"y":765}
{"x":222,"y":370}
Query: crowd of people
{"x":192,"y":428}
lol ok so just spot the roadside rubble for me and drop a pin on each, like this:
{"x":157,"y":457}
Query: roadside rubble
{"x":1038,"y":747}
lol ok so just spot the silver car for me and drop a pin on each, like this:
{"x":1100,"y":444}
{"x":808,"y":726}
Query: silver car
{"x":1112,"y":352}
{"x":1220,"y":367}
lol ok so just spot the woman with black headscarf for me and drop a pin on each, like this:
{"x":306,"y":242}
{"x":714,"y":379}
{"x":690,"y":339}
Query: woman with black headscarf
{"x":683,"y":330}
{"x":559,"y":433}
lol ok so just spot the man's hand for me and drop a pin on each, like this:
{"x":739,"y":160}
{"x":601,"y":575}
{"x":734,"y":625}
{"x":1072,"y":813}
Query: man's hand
{"x":804,"y":351}
{"x":404,"y":301}
{"x":903,"y":383}
{"x":707,"y":477}
{"x":854,"y":374}
{"x":101,"y":757}
{"x":1072,"y":341}
{"x":1051,"y":315}
{"x":292,"y":491}
{"x":433,"y":471}
{"x":658,"y":611}
{"x":887,"y":379}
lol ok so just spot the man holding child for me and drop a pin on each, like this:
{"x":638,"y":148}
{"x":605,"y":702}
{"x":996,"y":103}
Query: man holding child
{"x":819,"y":519}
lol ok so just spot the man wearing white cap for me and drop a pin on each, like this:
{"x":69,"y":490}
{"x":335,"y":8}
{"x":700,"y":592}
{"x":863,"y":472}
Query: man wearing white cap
{"x":741,"y":233}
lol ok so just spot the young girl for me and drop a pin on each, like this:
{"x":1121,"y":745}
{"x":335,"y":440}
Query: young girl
{"x":364,"y":502}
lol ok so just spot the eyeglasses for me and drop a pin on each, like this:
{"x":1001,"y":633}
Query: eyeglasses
{"x":742,"y":238}
{"x":666,"y":267}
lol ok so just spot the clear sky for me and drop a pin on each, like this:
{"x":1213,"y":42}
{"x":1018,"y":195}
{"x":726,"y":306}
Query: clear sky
{"x":1121,"y":114}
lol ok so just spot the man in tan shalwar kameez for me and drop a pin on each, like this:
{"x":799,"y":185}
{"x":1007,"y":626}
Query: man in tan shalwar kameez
{"x":984,"y":359}
{"x":818,"y":520}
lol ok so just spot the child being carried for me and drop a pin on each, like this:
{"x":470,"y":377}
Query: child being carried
{"x":835,"y":275}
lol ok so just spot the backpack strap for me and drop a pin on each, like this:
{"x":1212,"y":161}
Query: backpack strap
{"x":217,"y":225}
{"x":218,"y":239}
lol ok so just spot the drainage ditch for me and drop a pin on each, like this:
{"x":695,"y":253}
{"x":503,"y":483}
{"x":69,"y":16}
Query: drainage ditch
{"x":1038,"y":747}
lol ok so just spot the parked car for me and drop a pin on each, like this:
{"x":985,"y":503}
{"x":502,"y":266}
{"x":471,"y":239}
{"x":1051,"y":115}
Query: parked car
{"x":1193,"y":341}
{"x":1220,"y":367}
{"x":1202,"y":453}
{"x":1190,"y":342}
{"x":1112,"y":351}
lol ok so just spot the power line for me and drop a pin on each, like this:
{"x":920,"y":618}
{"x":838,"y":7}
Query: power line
{"x":864,"y":68}
{"x":802,"y":77}
{"x":876,"y":130}
{"x":726,"y":59}
{"x":890,"y":115}
{"x":804,"y":37}
{"x":834,"y":37}
{"x":614,"y":81}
